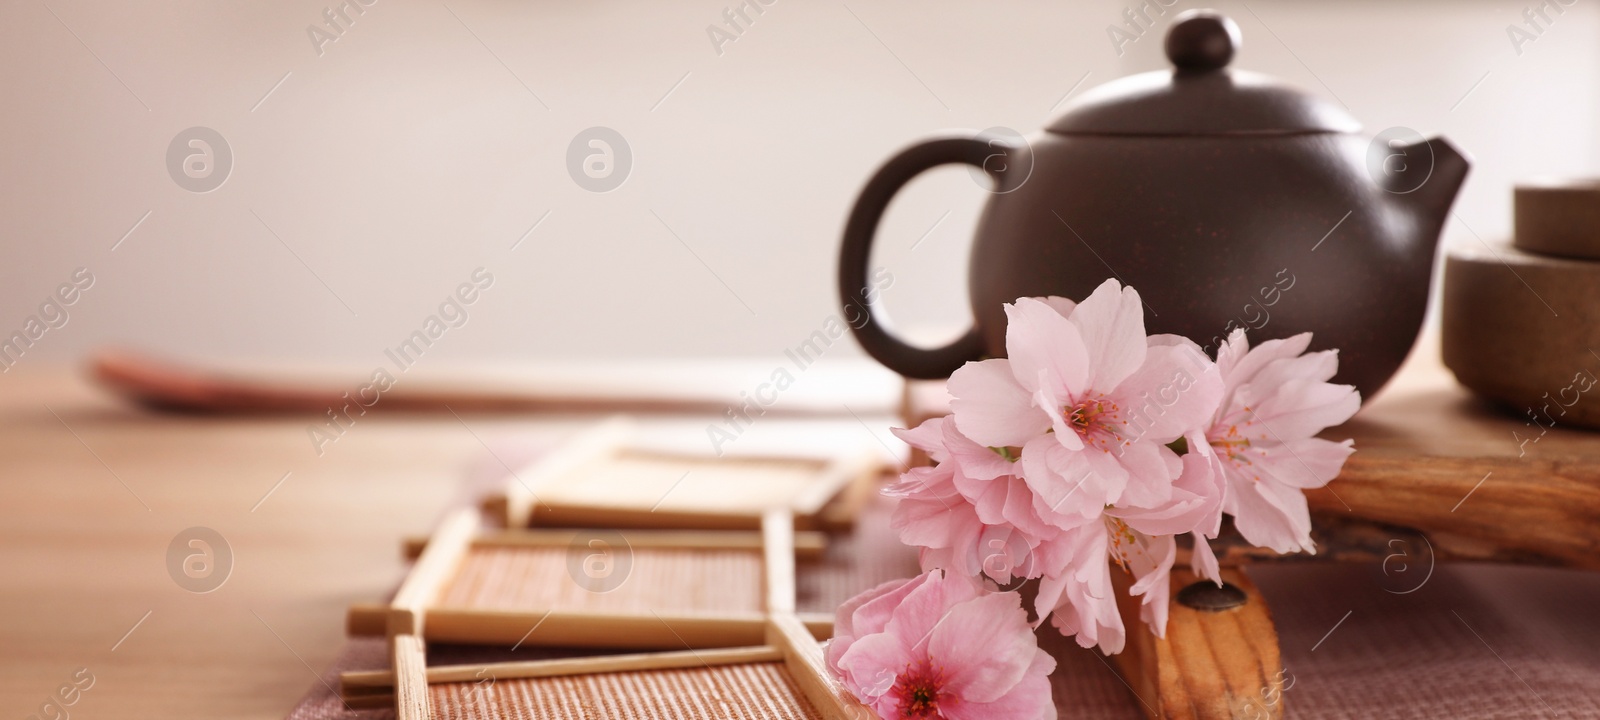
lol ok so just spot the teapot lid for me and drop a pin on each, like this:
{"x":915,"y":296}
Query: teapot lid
{"x":1200,"y":96}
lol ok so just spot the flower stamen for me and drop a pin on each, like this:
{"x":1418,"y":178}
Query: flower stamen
{"x":918,"y":689}
{"x":1095,"y":421}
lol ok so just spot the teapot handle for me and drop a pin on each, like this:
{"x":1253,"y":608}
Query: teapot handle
{"x":866,"y":321}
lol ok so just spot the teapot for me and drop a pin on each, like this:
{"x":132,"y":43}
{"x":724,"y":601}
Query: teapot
{"x":1226,"y":198}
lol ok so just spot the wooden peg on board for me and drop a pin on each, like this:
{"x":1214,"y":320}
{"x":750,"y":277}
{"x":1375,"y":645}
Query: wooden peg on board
{"x":1219,"y":658}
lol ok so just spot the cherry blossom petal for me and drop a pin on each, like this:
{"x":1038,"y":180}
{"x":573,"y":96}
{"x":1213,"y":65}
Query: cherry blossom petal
{"x":866,"y":614}
{"x":1270,"y":515}
{"x":933,"y":522}
{"x":991,"y":408}
{"x":1045,"y":349}
{"x":1062,"y":305}
{"x":870,"y":611}
{"x":1301,"y":464}
{"x":1091,"y":619}
{"x":1019,"y":511}
{"x":1203,"y":561}
{"x":1030,"y":699}
{"x":987,"y":646}
{"x":1176,"y":389}
{"x":1317,"y":367}
{"x":1080,"y":599}
{"x":929,"y":437}
{"x":868,"y":664}
{"x":1239,"y":363}
{"x":1069,"y":484}
{"x":1195,"y":504}
{"x":1111,"y":322}
{"x":1152,"y":571}
{"x":1150,"y":470}
{"x":978,"y":462}
{"x":1299,"y":408}
{"x":924,"y":608}
{"x":1004,"y":501}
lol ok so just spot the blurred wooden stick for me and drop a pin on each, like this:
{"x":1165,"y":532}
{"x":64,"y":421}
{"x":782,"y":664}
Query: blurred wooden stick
{"x":169,"y":385}
{"x":808,"y":545}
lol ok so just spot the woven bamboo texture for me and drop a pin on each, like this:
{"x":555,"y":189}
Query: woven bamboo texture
{"x":665,"y":580}
{"x":756,"y":690}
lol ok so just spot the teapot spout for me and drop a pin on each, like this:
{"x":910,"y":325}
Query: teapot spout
{"x":1426,"y":180}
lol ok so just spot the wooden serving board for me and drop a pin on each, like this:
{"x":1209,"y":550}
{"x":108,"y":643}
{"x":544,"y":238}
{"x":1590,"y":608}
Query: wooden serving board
{"x":1476,"y":481}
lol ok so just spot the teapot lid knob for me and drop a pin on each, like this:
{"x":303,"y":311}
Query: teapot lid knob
{"x":1202,"y":40}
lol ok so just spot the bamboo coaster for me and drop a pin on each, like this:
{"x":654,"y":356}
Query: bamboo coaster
{"x":781,"y":680}
{"x":600,"y":479}
{"x":598,"y":589}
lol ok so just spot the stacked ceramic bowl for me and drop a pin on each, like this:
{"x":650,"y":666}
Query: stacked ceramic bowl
{"x":1522,"y":319}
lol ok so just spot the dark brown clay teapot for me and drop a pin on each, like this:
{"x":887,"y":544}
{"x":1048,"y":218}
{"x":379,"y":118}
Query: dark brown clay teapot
{"x":1226,"y":198}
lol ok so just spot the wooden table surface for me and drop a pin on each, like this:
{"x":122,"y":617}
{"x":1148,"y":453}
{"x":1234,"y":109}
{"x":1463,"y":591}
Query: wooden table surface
{"x":94,"y":491}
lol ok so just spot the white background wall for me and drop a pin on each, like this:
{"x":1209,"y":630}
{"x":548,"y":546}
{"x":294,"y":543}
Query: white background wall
{"x":410,"y":152}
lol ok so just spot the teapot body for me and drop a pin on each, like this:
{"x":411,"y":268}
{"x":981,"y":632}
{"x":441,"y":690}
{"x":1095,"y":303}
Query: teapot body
{"x":1228,"y":199}
{"x":1278,"y":234}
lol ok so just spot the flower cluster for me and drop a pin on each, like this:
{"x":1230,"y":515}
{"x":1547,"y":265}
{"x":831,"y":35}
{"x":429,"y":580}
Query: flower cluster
{"x":1093,"y":445}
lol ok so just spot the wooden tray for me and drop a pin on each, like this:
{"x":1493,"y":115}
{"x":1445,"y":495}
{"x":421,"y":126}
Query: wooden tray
{"x":601,"y":478}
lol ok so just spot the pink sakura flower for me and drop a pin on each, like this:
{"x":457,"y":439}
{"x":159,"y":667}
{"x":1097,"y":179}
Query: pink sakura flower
{"x":936,"y":646}
{"x":1076,"y":592}
{"x":1090,"y":401}
{"x":1276,"y":399}
{"x":972,"y":514}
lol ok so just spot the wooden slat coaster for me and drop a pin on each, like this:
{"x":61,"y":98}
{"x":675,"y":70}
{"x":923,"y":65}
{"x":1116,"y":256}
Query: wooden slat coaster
{"x":588,"y":588}
{"x":1219,"y":658}
{"x":600,"y":478}
{"x":783,"y":680}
